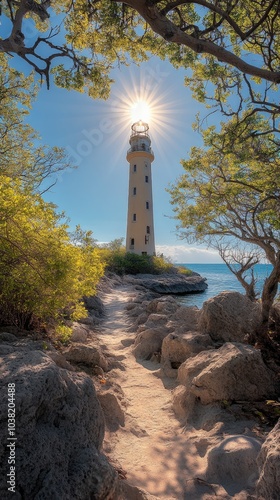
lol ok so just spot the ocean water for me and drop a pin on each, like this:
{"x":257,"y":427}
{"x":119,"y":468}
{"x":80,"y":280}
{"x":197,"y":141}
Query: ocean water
{"x":219,"y":279}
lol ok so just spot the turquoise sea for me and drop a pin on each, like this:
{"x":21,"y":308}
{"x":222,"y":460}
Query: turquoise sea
{"x":219,"y":279}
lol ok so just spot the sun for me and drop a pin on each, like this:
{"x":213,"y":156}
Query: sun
{"x":140,"y":110}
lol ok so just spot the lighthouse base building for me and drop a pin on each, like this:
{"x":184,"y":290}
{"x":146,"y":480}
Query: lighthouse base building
{"x":140,"y":221}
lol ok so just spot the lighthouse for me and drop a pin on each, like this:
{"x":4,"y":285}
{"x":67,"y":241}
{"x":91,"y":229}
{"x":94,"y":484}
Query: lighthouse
{"x":140,"y":221}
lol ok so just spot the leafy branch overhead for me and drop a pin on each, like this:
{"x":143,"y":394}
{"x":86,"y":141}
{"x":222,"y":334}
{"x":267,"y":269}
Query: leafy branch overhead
{"x":231,"y":43}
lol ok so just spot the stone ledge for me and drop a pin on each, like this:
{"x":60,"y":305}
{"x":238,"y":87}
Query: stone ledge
{"x":176,"y":284}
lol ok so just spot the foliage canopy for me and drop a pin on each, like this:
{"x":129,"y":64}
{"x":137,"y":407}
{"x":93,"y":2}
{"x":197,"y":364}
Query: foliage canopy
{"x":234,"y":44}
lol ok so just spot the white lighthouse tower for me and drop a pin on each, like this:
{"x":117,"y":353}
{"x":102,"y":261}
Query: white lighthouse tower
{"x":140,"y":221}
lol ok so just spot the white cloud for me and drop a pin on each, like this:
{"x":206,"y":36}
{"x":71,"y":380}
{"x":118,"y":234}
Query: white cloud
{"x":185,"y":254}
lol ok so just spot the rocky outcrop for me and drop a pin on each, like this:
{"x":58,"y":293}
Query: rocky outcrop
{"x":185,"y":319}
{"x":232,"y":463}
{"x":229,"y":317}
{"x":268,"y":486}
{"x":177,"y":284}
{"x":148,"y":342}
{"x":178,"y":348}
{"x":233,"y":372}
{"x":80,"y":332}
{"x":59,"y":430}
{"x":86,"y":354}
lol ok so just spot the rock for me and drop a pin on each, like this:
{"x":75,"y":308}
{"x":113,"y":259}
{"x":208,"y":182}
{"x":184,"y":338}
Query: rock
{"x":59,"y":430}
{"x":199,"y":489}
{"x":142,"y":318}
{"x":232,"y":463}
{"x":95,"y":306}
{"x":187,"y":318}
{"x":177,"y":284}
{"x":177,"y":348}
{"x":113,"y":412}
{"x":60,"y":360}
{"x":148,"y":342}
{"x":233,"y":372}
{"x":156,"y":320}
{"x":86,"y":354}
{"x":163,"y":305}
{"x":79,"y":333}
{"x":7,"y":337}
{"x":129,"y":492}
{"x":268,"y":486}
{"x":229,"y":316}
{"x":183,"y":402}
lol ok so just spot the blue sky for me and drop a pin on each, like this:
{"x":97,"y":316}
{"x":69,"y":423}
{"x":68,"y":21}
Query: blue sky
{"x":95,"y":134}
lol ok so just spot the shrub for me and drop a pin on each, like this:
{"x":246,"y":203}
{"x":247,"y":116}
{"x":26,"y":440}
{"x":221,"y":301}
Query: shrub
{"x":122,"y":262}
{"x":41,"y":272}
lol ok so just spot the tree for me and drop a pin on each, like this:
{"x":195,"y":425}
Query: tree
{"x":230,"y":191}
{"x":240,"y":261}
{"x":230,"y":43}
{"x":21,"y":154}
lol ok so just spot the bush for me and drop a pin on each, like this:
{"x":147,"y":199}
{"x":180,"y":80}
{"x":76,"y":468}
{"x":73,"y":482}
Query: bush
{"x":122,"y":262}
{"x":41,"y":272}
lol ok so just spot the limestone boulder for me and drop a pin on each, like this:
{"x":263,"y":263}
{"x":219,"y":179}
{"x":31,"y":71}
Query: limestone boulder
{"x":178,"y":348}
{"x":113,"y":412}
{"x":187,"y":318}
{"x":232,"y":463}
{"x":229,"y":317}
{"x":233,"y":372}
{"x":59,"y":430}
{"x":148,"y":342}
{"x":95,"y":306}
{"x":86,"y":354}
{"x":268,"y":485}
{"x":130,"y":492}
{"x":79,"y":332}
{"x":7,"y":337}
{"x":142,"y":318}
{"x":163,"y":305}
{"x":156,"y":320}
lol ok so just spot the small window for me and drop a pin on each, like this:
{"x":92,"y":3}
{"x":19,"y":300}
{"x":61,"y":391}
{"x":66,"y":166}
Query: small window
{"x":147,"y":205}
{"x":143,"y":146}
{"x":144,"y":253}
{"x":132,"y":243}
{"x":134,"y":218}
{"x":146,"y":165}
{"x":148,"y":230}
{"x":134,"y":190}
{"x":134,"y":168}
{"x":146,"y":178}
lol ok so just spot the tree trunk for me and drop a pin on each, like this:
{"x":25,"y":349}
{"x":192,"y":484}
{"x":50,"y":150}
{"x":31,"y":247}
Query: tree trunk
{"x":268,"y":294}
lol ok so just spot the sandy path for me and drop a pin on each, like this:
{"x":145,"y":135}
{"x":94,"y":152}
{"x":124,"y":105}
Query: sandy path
{"x":151,"y":447}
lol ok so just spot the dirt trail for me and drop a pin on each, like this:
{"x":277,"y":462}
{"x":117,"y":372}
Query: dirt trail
{"x":151,"y":447}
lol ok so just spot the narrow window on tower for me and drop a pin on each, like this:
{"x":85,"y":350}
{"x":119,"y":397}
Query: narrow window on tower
{"x":146,"y":165}
{"x":134,"y":218}
{"x":147,"y":205}
{"x":132,"y":243}
{"x":146,"y":178}
{"x":134,"y":190}
{"x":148,"y":229}
{"x":134,"y":168}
